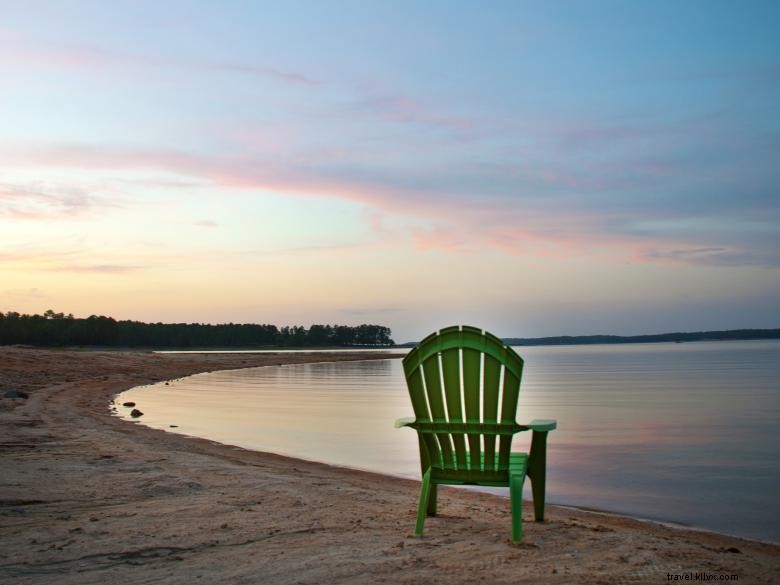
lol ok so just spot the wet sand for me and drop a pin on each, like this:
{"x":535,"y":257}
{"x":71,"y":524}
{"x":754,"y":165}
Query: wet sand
{"x":86,"y":497}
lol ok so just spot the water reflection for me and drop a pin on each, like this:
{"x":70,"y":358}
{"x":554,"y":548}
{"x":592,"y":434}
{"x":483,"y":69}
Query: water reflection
{"x":676,"y":432}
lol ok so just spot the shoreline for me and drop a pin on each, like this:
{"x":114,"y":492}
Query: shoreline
{"x":88,"y":497}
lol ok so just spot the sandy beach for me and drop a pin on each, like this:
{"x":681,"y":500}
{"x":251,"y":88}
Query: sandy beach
{"x":86,"y":497}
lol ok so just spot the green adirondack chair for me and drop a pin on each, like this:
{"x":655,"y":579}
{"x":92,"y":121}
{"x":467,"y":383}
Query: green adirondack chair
{"x":464,"y":385}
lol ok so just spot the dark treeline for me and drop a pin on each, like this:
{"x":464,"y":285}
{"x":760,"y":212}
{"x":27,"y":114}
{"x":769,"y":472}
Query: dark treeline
{"x":733,"y":334}
{"x":58,"y":329}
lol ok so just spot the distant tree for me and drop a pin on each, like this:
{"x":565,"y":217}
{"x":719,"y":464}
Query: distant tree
{"x":58,"y":329}
{"x":319,"y":335}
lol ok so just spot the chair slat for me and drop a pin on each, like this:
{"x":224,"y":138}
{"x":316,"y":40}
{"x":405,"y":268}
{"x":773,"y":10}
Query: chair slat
{"x":433,"y":388}
{"x":509,"y":398}
{"x":471,"y":383}
{"x":417,"y":395}
{"x":421,"y":413}
{"x":492,"y":377}
{"x":450,"y":362}
{"x":471,"y":398}
{"x":490,"y":380}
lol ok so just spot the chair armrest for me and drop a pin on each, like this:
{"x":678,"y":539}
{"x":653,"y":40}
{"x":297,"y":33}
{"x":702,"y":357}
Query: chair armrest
{"x":540,"y":424}
{"x":404,"y":422}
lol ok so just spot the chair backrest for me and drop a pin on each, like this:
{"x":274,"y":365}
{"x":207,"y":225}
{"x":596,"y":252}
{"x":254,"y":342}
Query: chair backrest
{"x":464,"y":385}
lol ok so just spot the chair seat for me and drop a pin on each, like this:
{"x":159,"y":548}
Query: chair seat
{"x":452,"y":474}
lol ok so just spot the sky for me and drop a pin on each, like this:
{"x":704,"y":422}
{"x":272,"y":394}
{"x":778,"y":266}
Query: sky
{"x":531,"y":168}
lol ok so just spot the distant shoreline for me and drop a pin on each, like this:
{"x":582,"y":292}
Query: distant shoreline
{"x":679,"y":337}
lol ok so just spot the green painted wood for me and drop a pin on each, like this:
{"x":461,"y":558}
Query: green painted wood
{"x":467,"y":427}
{"x":509,"y":397}
{"x":537,"y":471}
{"x":417,"y":394}
{"x":490,"y":380}
{"x":433,"y":390}
{"x":516,"y":505}
{"x":464,"y":360}
{"x":432,"y":498}
{"x":468,"y":337}
{"x":414,"y":382}
{"x":492,"y":377}
{"x":404,"y":422}
{"x":450,"y":360}
{"x":472,"y":372}
{"x":542,"y":424}
{"x":450,"y":372}
{"x":477,"y":475}
{"x":422,"y":508}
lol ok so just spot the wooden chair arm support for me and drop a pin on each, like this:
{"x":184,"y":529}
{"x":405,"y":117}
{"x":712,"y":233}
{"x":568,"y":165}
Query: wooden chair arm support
{"x":537,"y":458}
{"x":404,"y":422}
{"x":537,"y":465}
{"x":540,"y":424}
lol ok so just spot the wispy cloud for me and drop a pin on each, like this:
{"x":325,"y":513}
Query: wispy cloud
{"x":16,"y":51}
{"x":407,"y":110}
{"x":687,"y":254}
{"x":37,"y":201}
{"x":718,"y":256}
{"x":94,"y":268}
{"x":23,"y":294}
{"x":360,"y":311}
{"x":520,"y":210}
{"x":37,"y":253}
{"x":274,"y":73}
{"x":296,"y":250}
{"x":441,"y":236}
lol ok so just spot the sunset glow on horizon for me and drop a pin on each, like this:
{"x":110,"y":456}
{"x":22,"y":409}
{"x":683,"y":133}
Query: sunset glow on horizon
{"x":534,"y":169}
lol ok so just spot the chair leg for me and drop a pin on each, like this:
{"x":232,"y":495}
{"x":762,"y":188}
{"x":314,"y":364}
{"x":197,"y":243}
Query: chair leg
{"x":516,"y":503}
{"x":432,"y":497}
{"x":538,"y":488}
{"x":425,"y":491}
{"x":537,"y":471}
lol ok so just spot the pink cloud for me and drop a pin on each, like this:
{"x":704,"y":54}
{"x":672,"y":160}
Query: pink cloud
{"x":444,"y":237}
{"x":229,"y":172}
{"x":403,"y":109}
{"x":438,"y":220}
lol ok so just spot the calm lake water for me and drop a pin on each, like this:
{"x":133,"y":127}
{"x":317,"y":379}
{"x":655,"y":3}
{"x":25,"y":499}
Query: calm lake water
{"x":683,"y":433}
